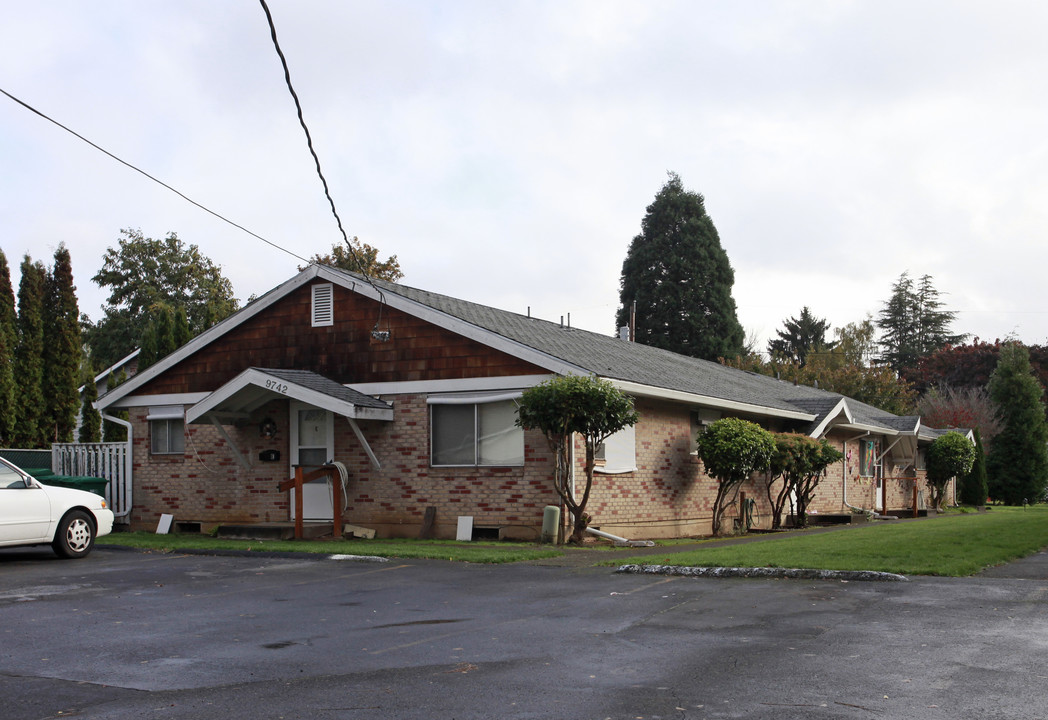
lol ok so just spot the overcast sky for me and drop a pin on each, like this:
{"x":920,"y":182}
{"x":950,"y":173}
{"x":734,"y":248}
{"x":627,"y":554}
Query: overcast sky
{"x":506,"y":151}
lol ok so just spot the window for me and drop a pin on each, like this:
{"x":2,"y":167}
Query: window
{"x":476,"y":434}
{"x":920,"y":462}
{"x":323,"y":305}
{"x":868,"y":458}
{"x":167,"y":434}
{"x":619,"y":452}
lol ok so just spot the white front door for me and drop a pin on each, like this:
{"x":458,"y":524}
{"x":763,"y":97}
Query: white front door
{"x":312,"y":445}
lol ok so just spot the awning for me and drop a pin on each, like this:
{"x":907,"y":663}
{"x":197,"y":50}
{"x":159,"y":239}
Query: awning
{"x":253,"y":388}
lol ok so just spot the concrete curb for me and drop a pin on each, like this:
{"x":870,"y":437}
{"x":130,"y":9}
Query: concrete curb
{"x":761,"y":572}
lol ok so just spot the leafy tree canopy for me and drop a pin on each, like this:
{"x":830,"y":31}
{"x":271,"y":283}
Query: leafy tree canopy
{"x":799,"y":462}
{"x":8,"y":341}
{"x":143,"y":275}
{"x":359,"y":257}
{"x":951,"y":455}
{"x":969,"y":365}
{"x":567,"y":405}
{"x":913,"y":323}
{"x":732,"y":449}
{"x":680,"y":278}
{"x":800,"y":336}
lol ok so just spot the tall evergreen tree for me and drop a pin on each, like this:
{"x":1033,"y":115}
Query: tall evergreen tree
{"x":63,"y":350}
{"x":1018,"y":461}
{"x":90,"y":418}
{"x":800,"y":336}
{"x":29,"y":356}
{"x":972,"y":489}
{"x":8,"y":342}
{"x":680,"y":278}
{"x":913,"y":323}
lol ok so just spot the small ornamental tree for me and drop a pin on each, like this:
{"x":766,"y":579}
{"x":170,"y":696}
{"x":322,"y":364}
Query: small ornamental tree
{"x":568,"y":405}
{"x":973,"y":488}
{"x":731,"y":450}
{"x":951,"y":455}
{"x":801,"y":462}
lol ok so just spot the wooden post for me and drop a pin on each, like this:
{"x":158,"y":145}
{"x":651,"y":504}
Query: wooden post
{"x":915,"y":497}
{"x":298,"y":504}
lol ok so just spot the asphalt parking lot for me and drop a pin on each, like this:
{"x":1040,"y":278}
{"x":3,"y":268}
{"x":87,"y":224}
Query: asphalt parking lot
{"x":134,"y":635}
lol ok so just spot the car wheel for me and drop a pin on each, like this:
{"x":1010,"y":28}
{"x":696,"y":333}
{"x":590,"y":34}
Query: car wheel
{"x":75,"y":535}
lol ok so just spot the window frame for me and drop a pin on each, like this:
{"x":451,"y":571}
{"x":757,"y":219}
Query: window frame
{"x":437,"y":405}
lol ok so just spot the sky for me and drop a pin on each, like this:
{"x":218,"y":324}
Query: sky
{"x":506,"y":151}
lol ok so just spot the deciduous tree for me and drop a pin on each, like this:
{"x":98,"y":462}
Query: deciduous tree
{"x":1018,"y":462}
{"x":361,"y":258}
{"x":966,"y":407}
{"x":950,"y":456}
{"x":680,"y":278}
{"x":800,"y":462}
{"x":143,"y":274}
{"x":731,"y":450}
{"x":567,"y":405}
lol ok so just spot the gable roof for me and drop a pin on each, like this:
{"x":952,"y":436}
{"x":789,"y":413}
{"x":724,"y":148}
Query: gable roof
{"x":638,"y":369}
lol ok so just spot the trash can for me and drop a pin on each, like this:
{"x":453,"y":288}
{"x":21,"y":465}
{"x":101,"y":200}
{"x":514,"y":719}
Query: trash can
{"x":94,"y":485}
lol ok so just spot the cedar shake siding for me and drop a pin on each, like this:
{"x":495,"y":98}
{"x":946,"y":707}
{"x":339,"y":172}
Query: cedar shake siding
{"x":282,"y":337}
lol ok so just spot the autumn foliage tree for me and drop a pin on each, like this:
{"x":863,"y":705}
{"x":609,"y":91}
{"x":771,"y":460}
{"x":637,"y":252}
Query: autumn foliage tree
{"x":570,"y":405}
{"x":731,"y":450}
{"x":361,"y":258}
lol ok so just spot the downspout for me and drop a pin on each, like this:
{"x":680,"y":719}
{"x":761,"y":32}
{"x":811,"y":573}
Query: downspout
{"x":129,"y":462}
{"x":844,"y":471}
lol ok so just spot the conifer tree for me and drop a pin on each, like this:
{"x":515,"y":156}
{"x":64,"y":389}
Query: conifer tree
{"x":800,"y":336}
{"x":8,"y":342}
{"x":680,"y":278}
{"x":913,"y":323}
{"x":1018,"y":462}
{"x":29,"y":366}
{"x":90,"y":418}
{"x":972,"y":489}
{"x":63,"y":351}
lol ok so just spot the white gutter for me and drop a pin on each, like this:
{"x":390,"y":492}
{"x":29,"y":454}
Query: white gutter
{"x":129,"y":462}
{"x":621,"y":540}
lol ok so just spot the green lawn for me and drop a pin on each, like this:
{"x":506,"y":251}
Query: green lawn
{"x":954,"y":545}
{"x":503,"y":552}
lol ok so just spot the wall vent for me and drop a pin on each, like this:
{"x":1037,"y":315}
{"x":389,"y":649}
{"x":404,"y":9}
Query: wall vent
{"x":323,"y":305}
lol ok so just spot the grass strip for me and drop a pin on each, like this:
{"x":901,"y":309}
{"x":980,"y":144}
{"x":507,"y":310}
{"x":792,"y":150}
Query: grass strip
{"x":395,"y":548}
{"x":955,"y":545}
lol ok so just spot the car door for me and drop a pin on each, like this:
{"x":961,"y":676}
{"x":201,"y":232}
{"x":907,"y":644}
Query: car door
{"x":25,"y":511}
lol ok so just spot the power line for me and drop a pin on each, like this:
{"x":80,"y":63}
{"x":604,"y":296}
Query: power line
{"x":188,"y":199}
{"x":309,"y":143}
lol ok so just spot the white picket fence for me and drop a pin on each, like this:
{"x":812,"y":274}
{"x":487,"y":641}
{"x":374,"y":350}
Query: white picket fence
{"x":104,"y":460}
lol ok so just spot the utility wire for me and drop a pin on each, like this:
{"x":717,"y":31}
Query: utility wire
{"x":309,"y":142}
{"x":206,"y":209}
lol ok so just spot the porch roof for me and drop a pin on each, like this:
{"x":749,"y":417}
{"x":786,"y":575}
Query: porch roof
{"x":254,"y":387}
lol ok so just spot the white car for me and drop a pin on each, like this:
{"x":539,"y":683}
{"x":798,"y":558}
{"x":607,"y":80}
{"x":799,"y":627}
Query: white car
{"x":32,"y":513}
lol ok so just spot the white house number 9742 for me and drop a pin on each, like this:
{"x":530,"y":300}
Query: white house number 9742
{"x":276,"y":387}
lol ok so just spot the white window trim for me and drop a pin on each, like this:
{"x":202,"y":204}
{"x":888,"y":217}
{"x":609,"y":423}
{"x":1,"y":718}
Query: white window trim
{"x":475,"y":400}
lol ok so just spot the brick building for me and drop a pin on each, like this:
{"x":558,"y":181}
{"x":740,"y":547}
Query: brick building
{"x":413,"y":393}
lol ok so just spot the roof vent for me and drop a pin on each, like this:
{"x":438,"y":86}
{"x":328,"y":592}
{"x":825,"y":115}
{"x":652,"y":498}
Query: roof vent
{"x":323,"y":305}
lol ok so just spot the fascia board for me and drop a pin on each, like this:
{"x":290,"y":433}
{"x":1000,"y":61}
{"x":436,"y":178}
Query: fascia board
{"x":208,"y":336}
{"x":649,"y":391}
{"x":131,"y":401}
{"x":253,"y":377}
{"x":456,"y":325}
{"x":478,"y":384}
{"x":862,"y":427}
{"x":832,"y":415}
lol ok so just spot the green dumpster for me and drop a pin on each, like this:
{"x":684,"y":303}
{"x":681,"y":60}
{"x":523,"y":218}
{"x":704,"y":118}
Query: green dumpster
{"x":40,"y":473}
{"x":94,"y":485}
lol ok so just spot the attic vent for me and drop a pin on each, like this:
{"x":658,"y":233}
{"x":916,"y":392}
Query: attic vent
{"x":323,"y":305}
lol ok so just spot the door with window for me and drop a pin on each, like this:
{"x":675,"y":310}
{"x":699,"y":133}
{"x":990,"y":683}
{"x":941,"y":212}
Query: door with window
{"x":312,"y":445}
